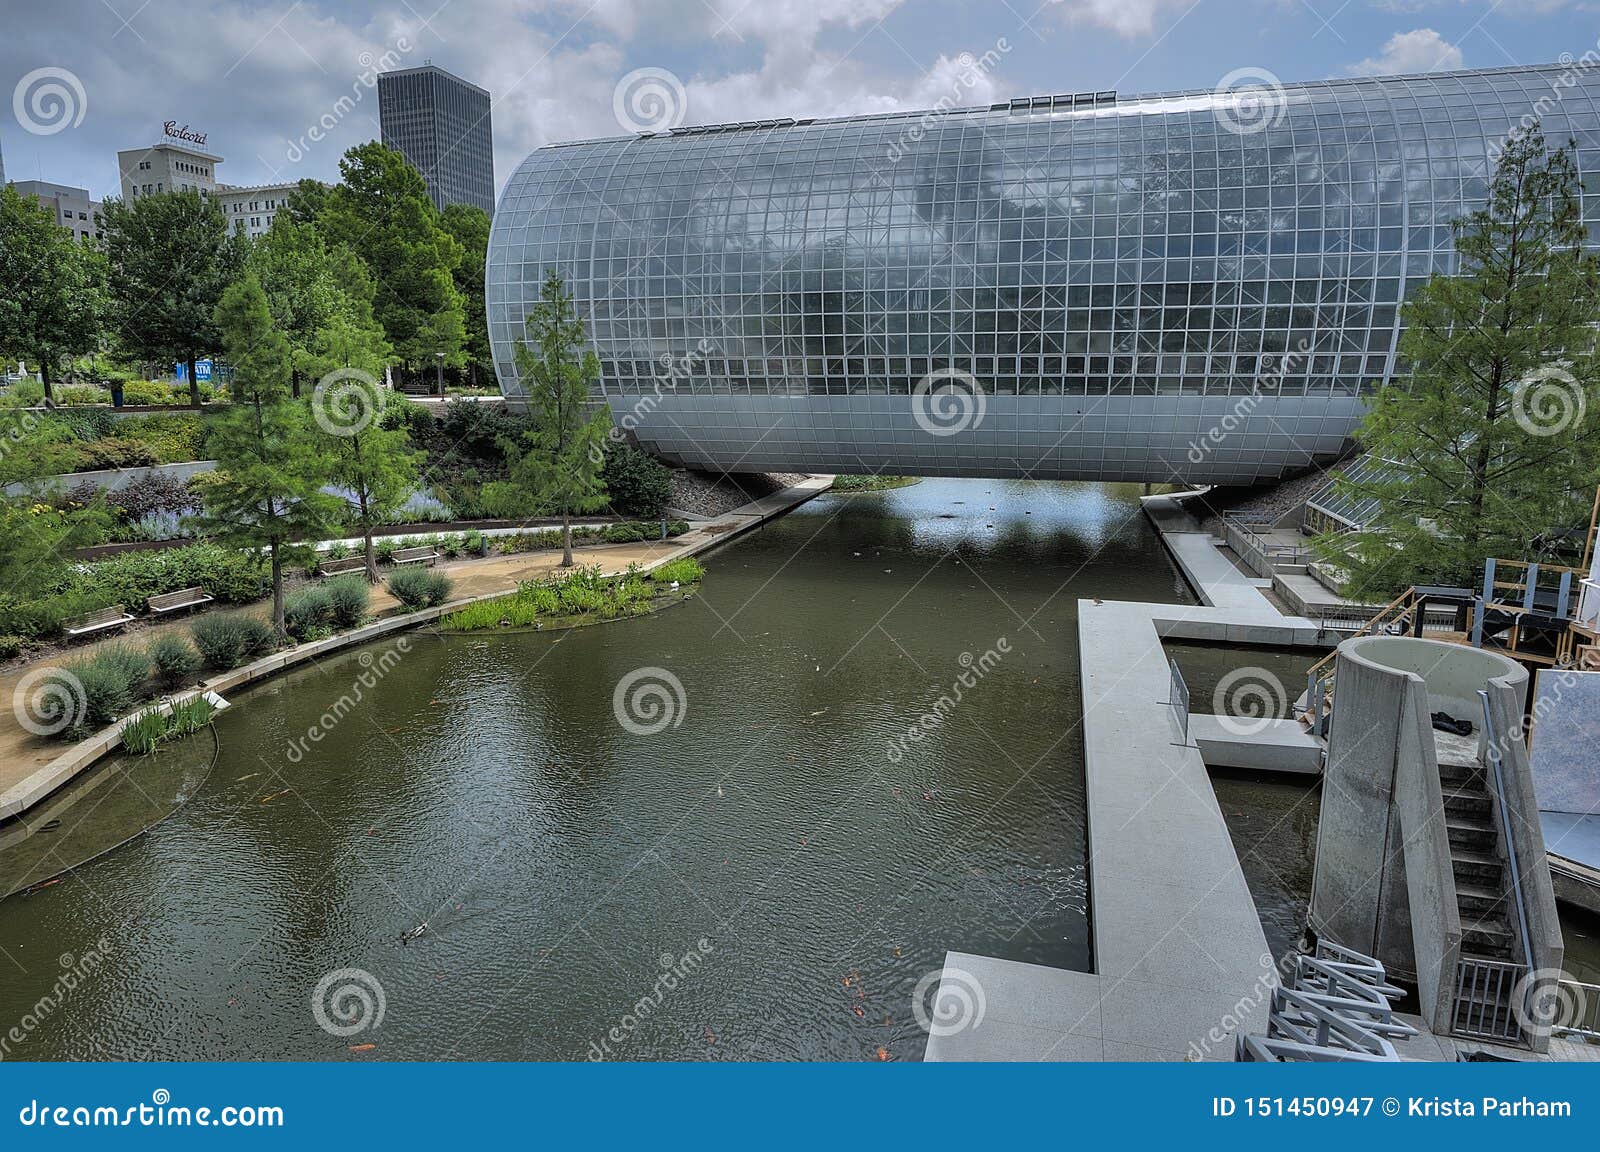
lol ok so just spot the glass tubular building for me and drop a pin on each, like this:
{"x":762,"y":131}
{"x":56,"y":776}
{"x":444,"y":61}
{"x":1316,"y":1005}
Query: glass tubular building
{"x":1144,"y":288}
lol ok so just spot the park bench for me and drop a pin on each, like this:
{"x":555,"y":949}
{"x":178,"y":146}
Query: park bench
{"x":182,"y":598}
{"x":113,"y":617}
{"x":335,"y":567}
{"x":423,"y":555}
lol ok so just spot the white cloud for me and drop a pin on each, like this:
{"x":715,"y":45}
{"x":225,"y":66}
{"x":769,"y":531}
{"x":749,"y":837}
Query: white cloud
{"x":1420,"y":50}
{"x":1130,"y":18}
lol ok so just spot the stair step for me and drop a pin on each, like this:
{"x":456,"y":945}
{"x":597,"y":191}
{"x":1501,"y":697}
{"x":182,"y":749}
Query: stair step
{"x":1483,"y":869}
{"x":1469,"y":832}
{"x":1453,"y":773}
{"x":1467,"y":803}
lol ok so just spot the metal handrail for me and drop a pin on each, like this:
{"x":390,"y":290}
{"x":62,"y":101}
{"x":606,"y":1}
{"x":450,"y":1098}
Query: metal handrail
{"x":1585,"y":1001}
{"x":1492,"y":744}
{"x":1382,"y":617}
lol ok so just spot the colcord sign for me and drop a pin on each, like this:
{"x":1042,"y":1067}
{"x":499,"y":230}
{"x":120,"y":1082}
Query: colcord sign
{"x":183,"y":132}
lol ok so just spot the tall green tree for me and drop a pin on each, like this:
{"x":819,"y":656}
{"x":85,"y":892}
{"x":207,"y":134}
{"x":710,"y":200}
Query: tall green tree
{"x":380,"y":210}
{"x":562,"y":457}
{"x":372,"y":459}
{"x":1493,"y":439}
{"x":53,"y":299}
{"x":169,"y":259}
{"x":297,"y":273}
{"x":271,"y":461}
{"x":469,"y":225}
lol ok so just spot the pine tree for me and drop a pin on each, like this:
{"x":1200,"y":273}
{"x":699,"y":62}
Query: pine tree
{"x":267,"y":490}
{"x":563,"y":454}
{"x":371,"y":460}
{"x":1492,"y":442}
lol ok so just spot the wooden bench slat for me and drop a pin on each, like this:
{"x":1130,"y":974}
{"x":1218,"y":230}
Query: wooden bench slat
{"x":113,"y":617}
{"x":346,"y":564}
{"x":422,"y":555}
{"x":182,"y":598}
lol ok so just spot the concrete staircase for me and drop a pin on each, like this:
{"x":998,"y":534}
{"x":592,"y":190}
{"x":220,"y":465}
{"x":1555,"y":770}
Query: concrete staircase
{"x":1482,"y":901}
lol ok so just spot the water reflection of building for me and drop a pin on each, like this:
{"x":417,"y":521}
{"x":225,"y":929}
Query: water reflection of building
{"x":1143,"y":287}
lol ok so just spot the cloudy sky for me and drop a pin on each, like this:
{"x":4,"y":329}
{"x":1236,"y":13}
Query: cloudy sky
{"x":282,"y":88}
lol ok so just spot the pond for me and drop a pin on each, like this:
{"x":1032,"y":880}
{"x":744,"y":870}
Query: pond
{"x":806,"y":808}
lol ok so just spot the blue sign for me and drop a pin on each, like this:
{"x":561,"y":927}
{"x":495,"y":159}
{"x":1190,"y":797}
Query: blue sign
{"x":202,"y":371}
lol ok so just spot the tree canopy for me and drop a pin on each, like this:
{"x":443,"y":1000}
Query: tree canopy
{"x":1493,"y":437}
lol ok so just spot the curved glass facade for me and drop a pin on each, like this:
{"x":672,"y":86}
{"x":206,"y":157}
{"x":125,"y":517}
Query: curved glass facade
{"x":1186,"y":285}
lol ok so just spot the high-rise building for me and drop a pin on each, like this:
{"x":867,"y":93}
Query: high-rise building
{"x":442,"y":125}
{"x":1199,"y":285}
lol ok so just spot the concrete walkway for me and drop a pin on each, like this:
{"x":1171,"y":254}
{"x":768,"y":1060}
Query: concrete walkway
{"x":32,"y":767}
{"x":1180,"y":958}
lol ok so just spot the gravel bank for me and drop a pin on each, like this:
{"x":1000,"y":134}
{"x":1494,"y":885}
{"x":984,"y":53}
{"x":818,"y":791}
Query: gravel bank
{"x":703,"y":494}
{"x":1267,"y":501}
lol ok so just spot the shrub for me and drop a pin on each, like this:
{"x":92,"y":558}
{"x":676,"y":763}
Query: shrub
{"x":233,"y":577}
{"x":110,"y":682}
{"x":348,"y":597}
{"x":154,"y":492}
{"x":307,"y":612}
{"x":625,"y":533}
{"x":636,"y":483}
{"x":685,"y":570}
{"x":114,"y":453}
{"x":419,"y":588}
{"x":174,"y":658}
{"x":385,"y":549}
{"x":338,"y":550}
{"x":226,"y":641}
{"x":472,"y":542}
{"x":10,"y":646}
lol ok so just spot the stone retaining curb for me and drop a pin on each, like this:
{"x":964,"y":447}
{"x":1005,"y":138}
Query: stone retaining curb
{"x":86,"y":752}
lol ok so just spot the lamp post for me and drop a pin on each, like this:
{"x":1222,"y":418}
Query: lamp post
{"x":438,"y":359}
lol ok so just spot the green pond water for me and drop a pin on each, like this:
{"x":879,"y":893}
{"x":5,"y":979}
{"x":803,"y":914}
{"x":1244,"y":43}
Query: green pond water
{"x":763,"y":863}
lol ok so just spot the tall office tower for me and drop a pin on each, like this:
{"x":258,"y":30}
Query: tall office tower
{"x":442,"y":125}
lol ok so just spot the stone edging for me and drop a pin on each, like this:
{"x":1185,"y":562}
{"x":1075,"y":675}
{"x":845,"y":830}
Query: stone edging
{"x":87,"y":751}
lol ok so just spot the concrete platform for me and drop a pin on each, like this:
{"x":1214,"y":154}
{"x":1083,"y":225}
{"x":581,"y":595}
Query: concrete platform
{"x":1181,"y":960}
{"x":1258,"y":745}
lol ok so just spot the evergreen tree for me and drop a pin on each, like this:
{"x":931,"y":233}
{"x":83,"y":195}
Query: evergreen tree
{"x":1493,"y":440}
{"x":563,"y":454}
{"x":297,"y":273}
{"x":372,"y":460}
{"x":267,"y":490}
{"x":170,"y":258}
{"x":53,"y":298}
